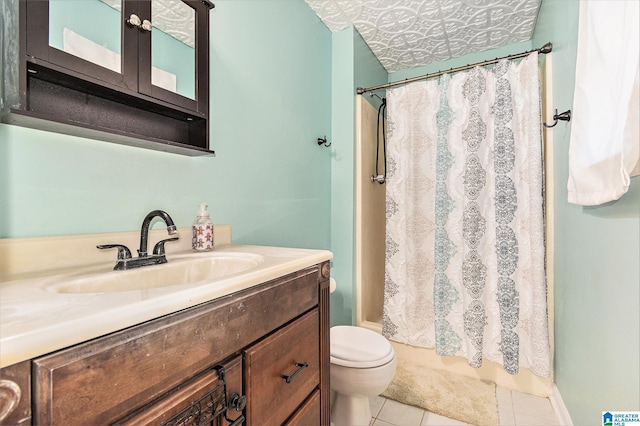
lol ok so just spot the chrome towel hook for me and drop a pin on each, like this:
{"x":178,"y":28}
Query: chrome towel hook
{"x":563,"y":116}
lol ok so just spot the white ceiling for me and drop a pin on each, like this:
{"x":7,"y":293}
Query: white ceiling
{"x":411,"y":33}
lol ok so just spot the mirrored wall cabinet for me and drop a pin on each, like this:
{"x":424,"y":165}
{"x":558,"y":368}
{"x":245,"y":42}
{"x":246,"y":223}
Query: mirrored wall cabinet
{"x":128,"y":71}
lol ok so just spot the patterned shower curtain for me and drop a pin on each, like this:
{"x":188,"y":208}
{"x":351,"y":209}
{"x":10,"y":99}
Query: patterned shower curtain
{"x":465,"y":266}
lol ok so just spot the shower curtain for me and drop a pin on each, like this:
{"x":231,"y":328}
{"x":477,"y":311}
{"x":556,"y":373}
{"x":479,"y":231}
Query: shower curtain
{"x":465,"y":268}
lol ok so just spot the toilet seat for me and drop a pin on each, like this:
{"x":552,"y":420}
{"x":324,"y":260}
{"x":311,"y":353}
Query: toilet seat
{"x":357,"y":347}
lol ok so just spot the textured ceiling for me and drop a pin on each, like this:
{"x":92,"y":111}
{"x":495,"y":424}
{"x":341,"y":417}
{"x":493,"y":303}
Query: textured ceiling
{"x":411,"y":33}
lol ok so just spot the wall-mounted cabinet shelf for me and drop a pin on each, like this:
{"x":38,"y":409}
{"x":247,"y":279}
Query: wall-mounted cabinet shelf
{"x":68,"y":86}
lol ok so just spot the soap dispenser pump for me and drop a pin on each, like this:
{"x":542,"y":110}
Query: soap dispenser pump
{"x":202,"y":230}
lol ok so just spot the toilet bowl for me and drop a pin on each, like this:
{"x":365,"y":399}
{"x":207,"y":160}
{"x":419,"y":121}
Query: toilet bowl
{"x":363,"y":364}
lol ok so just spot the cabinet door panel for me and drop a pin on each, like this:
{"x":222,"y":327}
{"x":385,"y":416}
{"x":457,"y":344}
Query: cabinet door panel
{"x":59,"y":32}
{"x":199,"y":397}
{"x":292,"y":351}
{"x":171,"y":63}
{"x":173,"y":48}
{"x":88,"y":29}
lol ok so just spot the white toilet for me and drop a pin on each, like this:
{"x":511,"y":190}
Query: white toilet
{"x":363,"y":364}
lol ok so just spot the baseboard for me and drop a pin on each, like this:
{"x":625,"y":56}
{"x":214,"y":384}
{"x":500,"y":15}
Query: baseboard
{"x":559,"y":408}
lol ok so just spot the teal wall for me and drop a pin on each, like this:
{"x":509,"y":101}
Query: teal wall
{"x":354,"y":65}
{"x":271,"y":100}
{"x":597,"y":269}
{"x":342,"y":173}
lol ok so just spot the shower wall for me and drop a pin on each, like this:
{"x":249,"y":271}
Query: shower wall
{"x":370,"y":218}
{"x":370,"y":259}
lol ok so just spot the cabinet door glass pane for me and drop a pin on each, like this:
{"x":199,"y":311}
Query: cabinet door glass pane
{"x":88,"y":29}
{"x":173,"y":54}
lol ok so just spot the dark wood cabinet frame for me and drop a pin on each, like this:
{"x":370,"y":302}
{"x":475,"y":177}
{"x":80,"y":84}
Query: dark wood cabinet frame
{"x":63,"y":93}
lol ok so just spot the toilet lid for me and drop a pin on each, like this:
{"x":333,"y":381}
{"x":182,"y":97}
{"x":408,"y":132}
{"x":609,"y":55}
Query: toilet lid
{"x":357,"y":347}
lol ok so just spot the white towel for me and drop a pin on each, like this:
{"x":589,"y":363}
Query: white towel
{"x":604,"y":148}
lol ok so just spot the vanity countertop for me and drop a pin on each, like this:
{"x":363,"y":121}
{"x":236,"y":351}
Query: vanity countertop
{"x":35,"y":320}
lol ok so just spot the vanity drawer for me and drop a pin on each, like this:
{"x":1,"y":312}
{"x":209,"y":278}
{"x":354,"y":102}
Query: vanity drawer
{"x":291,"y":352}
{"x":308,"y":414}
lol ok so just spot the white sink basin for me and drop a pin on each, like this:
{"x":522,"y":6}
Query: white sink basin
{"x":184,"y":270}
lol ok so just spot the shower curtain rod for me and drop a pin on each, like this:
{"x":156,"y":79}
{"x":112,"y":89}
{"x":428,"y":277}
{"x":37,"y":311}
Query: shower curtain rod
{"x":544,"y":49}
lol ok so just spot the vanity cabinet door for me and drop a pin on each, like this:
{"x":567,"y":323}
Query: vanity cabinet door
{"x":15,"y":394}
{"x":282,"y":370}
{"x":195,"y":402}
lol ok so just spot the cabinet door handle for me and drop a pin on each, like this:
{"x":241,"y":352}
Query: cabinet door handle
{"x":237,"y":401}
{"x":146,"y":25}
{"x":301,"y":366}
{"x":143,"y":25}
{"x":134,"y":20}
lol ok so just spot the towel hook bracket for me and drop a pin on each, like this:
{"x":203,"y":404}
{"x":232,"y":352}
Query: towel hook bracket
{"x":323,"y":141}
{"x":563,"y":116}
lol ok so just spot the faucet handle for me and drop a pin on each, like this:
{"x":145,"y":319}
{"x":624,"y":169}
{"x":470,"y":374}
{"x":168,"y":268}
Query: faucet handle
{"x":123,"y":251}
{"x":158,"y":249}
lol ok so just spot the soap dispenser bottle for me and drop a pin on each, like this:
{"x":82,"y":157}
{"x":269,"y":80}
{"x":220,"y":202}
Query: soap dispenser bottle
{"x":202,"y":230}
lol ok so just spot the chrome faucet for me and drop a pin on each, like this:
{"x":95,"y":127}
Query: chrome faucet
{"x":125,"y":261}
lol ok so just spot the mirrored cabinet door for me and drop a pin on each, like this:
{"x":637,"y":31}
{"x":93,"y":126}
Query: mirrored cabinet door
{"x":88,"y":29}
{"x":173,"y":47}
{"x":179,"y":30}
{"x":84,"y":37}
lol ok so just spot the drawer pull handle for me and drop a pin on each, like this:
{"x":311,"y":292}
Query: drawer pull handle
{"x":301,"y":366}
{"x":237,"y":401}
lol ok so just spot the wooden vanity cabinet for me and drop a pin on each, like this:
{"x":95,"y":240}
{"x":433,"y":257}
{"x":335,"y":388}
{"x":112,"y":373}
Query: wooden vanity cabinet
{"x":148,"y":373}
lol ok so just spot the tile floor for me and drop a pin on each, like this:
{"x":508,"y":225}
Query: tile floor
{"x":514,"y":409}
